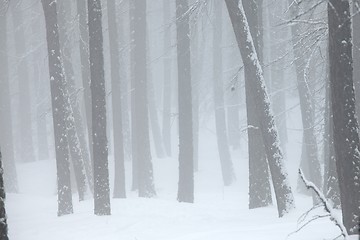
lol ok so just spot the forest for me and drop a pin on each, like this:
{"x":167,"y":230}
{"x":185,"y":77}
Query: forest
{"x":179,"y":119}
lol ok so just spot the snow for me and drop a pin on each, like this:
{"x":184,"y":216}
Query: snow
{"x":218,"y":212}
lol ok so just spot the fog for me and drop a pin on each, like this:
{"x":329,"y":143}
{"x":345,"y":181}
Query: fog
{"x":183,"y":119}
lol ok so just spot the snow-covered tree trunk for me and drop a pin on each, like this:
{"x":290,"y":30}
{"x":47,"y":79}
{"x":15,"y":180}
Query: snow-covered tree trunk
{"x":218,"y":85}
{"x":166,"y":122}
{"x":58,"y":100}
{"x":119,"y":180}
{"x":74,"y":122}
{"x":141,"y":116}
{"x":284,"y":196}
{"x":346,"y":137}
{"x":259,"y":178}
{"x":25,"y":141}
{"x":81,"y":6}
{"x":6,"y":137}
{"x":186,"y":157}
{"x":356,"y":53}
{"x":98,"y":95}
{"x":3,"y":217}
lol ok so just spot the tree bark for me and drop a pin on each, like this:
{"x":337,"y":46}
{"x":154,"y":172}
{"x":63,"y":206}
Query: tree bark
{"x":3,"y":217}
{"x":346,"y":138}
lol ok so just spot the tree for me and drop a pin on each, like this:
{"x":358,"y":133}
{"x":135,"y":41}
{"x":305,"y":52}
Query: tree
{"x":259,"y":179}
{"x":309,"y":162}
{"x":119,"y":181}
{"x":6,"y":138}
{"x":58,"y":100}
{"x":166,"y":123}
{"x":76,"y":136}
{"x":3,"y":221}
{"x":346,"y":138}
{"x":186,"y":157}
{"x":98,"y":95}
{"x":140,"y":118}
{"x":284,"y":196}
{"x":220,"y":120}
{"x":356,"y":53}
{"x":26,"y":146}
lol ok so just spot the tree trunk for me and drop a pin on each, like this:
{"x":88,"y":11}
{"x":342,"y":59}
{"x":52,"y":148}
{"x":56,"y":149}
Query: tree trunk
{"x":26,"y":147}
{"x":166,"y":124}
{"x":255,"y":81}
{"x":346,"y":138}
{"x":98,"y":94}
{"x":3,"y":225}
{"x":186,"y":157}
{"x":356,"y":53}
{"x":85,"y":70}
{"x":76,"y":137}
{"x":259,"y":179}
{"x":218,"y":85}
{"x":58,"y":100}
{"x":119,"y":184}
{"x":309,"y":139}
{"x":143,"y":154}
{"x":6,"y":137}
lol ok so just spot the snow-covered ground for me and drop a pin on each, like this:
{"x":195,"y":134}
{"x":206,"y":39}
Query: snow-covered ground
{"x":218,"y":212}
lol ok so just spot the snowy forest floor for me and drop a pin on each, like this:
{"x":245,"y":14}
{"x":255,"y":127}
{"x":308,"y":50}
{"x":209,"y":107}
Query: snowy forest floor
{"x":218,"y":212}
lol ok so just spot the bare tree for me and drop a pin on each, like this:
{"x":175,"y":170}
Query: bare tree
{"x":284,"y":196}
{"x":186,"y":157}
{"x":58,"y":100}
{"x":3,"y":222}
{"x":98,"y":96}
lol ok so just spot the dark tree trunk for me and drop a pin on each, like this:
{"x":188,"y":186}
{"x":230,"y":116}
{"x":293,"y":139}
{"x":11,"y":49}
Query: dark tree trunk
{"x":186,"y":157}
{"x":256,"y":83}
{"x":259,"y":179}
{"x":6,"y":137}
{"x":218,"y":85}
{"x":346,"y":138}
{"x":143,"y":154}
{"x":98,"y":94}
{"x":26,"y":147}
{"x":3,"y":217}
{"x":166,"y":124}
{"x":58,"y":100}
{"x":119,"y":184}
{"x":331,"y":183}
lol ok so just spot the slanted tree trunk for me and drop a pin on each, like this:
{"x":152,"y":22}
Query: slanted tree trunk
{"x":284,"y":196}
{"x":218,"y":85}
{"x":76,"y":136}
{"x":119,"y":181}
{"x":166,"y":122}
{"x":3,"y":217}
{"x":143,"y":154}
{"x":98,"y":94}
{"x":26,"y":146}
{"x":6,"y":137}
{"x":259,"y":179}
{"x":346,"y":137}
{"x":58,"y":100}
{"x":309,"y":159}
{"x":186,"y":157}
